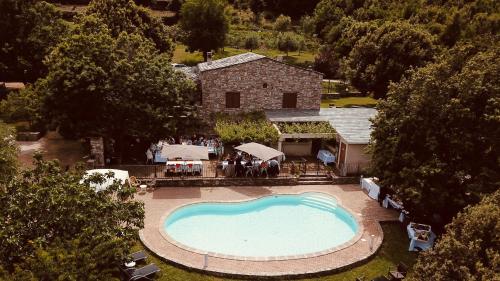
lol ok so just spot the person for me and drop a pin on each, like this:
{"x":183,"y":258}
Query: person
{"x":149,"y":156}
{"x":239,"y":168}
{"x":249,"y":167}
{"x":274,"y":167}
{"x":263,"y":168}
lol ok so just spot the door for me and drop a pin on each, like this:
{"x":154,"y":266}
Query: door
{"x":289,"y":100}
{"x":343,"y":148}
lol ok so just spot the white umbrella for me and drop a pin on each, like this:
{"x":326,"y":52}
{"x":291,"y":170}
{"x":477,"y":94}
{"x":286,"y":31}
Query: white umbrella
{"x":186,"y":152}
{"x":260,"y":151}
{"x":120,"y":175}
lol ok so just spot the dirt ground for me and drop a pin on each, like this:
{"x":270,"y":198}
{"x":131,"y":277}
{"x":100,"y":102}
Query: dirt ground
{"x":53,"y":146}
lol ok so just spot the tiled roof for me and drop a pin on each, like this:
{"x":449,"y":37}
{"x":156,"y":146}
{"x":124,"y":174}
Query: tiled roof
{"x":189,"y":71}
{"x":352,"y":124}
{"x":229,"y":61}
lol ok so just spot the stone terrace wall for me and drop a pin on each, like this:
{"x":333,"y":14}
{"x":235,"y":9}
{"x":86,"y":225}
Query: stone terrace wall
{"x":248,"y":79}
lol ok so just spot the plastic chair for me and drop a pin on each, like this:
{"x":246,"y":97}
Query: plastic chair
{"x":190,"y":168}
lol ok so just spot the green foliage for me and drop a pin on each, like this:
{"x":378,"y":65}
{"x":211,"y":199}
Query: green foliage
{"x":384,"y":55}
{"x":435,"y":139}
{"x":307,"y":25}
{"x":287,"y":43}
{"x":55,"y":228}
{"x":8,"y":154}
{"x":114,"y":87}
{"x":247,"y":127}
{"x":282,"y":23}
{"x":292,"y":8}
{"x":21,"y":106}
{"x":306,"y":128}
{"x":470,"y":248}
{"x":125,"y":16}
{"x":206,"y":24}
{"x":29,"y":30}
{"x":252,"y":42}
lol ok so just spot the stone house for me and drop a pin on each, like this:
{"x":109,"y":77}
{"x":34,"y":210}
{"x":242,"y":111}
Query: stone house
{"x":252,"y":82}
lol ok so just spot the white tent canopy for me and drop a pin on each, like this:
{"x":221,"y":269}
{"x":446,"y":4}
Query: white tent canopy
{"x":186,"y":152}
{"x":260,"y":151}
{"x":120,"y":175}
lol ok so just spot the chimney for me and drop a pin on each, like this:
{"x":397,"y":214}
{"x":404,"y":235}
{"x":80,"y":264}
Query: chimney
{"x":209,"y":57}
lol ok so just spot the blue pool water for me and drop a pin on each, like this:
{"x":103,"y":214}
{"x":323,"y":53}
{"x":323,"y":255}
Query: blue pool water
{"x":277,"y":225}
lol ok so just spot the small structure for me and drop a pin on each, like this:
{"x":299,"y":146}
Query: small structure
{"x":253,"y":82}
{"x":262,"y":152}
{"x":120,"y":175}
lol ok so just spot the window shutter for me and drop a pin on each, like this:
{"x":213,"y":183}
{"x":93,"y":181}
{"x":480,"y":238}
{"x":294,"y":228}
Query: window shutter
{"x":289,"y":100}
{"x":232,"y":100}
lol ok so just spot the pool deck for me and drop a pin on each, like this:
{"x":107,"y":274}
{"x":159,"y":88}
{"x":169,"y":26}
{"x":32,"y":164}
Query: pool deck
{"x":161,"y":202}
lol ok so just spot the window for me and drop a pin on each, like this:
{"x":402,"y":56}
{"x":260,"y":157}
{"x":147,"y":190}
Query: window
{"x":289,"y":100}
{"x":232,"y":100}
{"x":264,"y":85}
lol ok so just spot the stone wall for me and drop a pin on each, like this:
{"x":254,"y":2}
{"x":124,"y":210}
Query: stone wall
{"x":249,"y":78}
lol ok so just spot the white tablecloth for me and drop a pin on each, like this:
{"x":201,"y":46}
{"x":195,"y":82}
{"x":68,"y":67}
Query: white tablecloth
{"x":414,"y":243}
{"x":372,"y":188}
{"x":389,"y":201}
{"x":326,"y":156}
{"x":255,"y":163}
{"x":172,"y":165}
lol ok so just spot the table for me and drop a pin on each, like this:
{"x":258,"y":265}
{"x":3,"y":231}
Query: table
{"x":393,"y":203}
{"x":243,"y":162}
{"x":182,"y":166}
{"x":158,"y":158}
{"x":326,"y":156}
{"x":143,"y":187}
{"x":370,"y":186}
{"x":417,"y":243}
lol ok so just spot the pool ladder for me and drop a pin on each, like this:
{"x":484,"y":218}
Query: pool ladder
{"x":319,"y":201}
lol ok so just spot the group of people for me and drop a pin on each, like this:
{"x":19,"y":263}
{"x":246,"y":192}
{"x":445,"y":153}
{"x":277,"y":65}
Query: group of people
{"x":214,"y":144}
{"x":244,"y":165}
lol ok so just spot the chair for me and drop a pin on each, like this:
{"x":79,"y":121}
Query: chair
{"x":178,"y":168}
{"x":138,"y":256}
{"x":151,"y":184}
{"x":190,"y":168}
{"x":140,"y":273}
{"x":134,"y":182}
{"x":399,"y":272}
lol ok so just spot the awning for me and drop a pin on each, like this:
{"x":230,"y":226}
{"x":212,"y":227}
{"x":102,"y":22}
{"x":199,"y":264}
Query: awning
{"x":186,"y":152}
{"x":260,"y":151}
{"x":120,"y":175}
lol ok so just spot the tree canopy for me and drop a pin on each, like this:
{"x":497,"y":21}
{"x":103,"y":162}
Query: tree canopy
{"x":470,"y":248}
{"x":206,"y":24}
{"x":56,"y":228}
{"x":435,"y":139}
{"x":125,"y":16}
{"x":8,"y":154}
{"x":30,"y":29}
{"x":386,"y":54}
{"x":114,"y":87}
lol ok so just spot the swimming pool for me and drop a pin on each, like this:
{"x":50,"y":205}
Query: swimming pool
{"x":277,"y":226}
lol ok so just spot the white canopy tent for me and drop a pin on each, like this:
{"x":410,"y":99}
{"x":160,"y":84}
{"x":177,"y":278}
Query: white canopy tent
{"x":120,"y":175}
{"x":260,"y":151}
{"x":186,"y":152}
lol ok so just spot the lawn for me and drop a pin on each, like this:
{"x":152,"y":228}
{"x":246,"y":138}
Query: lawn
{"x":181,"y":56}
{"x":394,"y":249}
{"x":350,"y":102}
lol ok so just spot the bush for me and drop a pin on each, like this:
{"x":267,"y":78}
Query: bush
{"x":252,"y":42}
{"x":287,"y":43}
{"x":306,"y":128}
{"x":282,"y":23}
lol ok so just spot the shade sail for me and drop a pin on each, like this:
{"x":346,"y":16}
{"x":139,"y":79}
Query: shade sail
{"x":120,"y":175}
{"x":186,"y":152}
{"x":260,"y":151}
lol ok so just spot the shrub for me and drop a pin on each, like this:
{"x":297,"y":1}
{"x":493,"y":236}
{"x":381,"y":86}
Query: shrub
{"x":282,"y":23}
{"x":252,"y":42}
{"x":247,"y":127}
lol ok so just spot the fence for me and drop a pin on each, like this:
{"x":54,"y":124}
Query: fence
{"x":351,"y":169}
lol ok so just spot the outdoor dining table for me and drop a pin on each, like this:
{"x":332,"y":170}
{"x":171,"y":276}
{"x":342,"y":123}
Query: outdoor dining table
{"x":180,"y":166}
{"x":326,"y":156}
{"x":243,"y":162}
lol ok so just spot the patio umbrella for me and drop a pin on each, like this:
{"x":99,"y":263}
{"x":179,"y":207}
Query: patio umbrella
{"x":120,"y":175}
{"x":186,"y":152}
{"x":260,"y":151}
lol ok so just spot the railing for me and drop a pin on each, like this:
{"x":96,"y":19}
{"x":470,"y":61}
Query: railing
{"x":351,"y":169}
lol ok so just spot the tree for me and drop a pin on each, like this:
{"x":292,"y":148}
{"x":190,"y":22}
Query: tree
{"x":307,"y":25}
{"x":56,"y":228}
{"x":386,"y":54}
{"x":470,"y":248}
{"x":287,"y":43}
{"x":435,"y":138}
{"x":125,"y":16}
{"x":282,"y":23}
{"x":206,"y":24}
{"x":30,"y":29}
{"x":22,"y":106}
{"x":116,"y":88}
{"x":8,"y":154}
{"x":252,"y":42}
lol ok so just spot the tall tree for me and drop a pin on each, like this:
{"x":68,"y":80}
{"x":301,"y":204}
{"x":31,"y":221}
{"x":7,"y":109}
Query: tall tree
{"x":385,"y":55}
{"x":8,"y":154}
{"x":125,"y":16}
{"x":30,"y":29}
{"x":206,"y":24}
{"x":114,"y":87}
{"x":56,"y":228}
{"x":435,"y":139}
{"x":470,"y":248}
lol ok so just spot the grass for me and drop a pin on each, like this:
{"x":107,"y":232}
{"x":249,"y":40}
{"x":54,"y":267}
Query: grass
{"x":182,"y":56}
{"x":350,"y":102}
{"x":394,"y":249}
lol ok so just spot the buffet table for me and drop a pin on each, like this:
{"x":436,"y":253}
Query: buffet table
{"x":421,"y":235}
{"x":326,"y":156}
{"x":370,"y":186}
{"x":183,"y":166}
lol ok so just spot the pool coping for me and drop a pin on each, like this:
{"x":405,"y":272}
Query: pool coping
{"x":344,"y":245}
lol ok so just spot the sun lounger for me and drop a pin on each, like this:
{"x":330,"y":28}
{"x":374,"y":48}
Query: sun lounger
{"x":144,"y":272}
{"x":138,"y":256}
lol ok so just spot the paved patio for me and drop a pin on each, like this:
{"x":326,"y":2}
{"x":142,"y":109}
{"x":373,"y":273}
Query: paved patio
{"x":162,"y":201}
